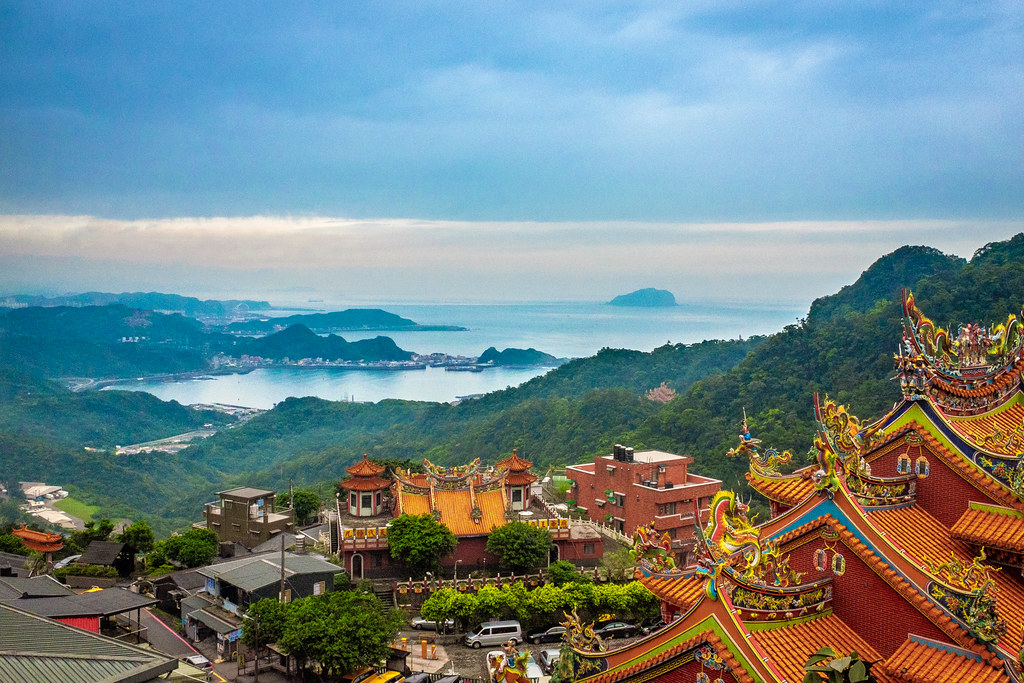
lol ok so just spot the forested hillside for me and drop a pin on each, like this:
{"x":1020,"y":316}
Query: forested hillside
{"x":844,"y":348}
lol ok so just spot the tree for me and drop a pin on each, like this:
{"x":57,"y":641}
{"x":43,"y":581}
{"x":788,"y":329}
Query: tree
{"x":307,"y":504}
{"x":420,"y":541}
{"x":80,"y":540}
{"x":617,"y":563}
{"x":563,"y":572}
{"x":520,"y":546}
{"x":264,"y":623}
{"x":194,"y":548}
{"x":341,"y":631}
{"x":9,"y":543}
{"x":138,"y":537}
{"x":848,"y":669}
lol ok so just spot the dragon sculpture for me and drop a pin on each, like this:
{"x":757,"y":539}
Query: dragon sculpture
{"x":450,"y":473}
{"x":765,"y":463}
{"x":579,"y":635}
{"x":972,"y":345}
{"x":652,"y":552}
{"x":730,"y":531}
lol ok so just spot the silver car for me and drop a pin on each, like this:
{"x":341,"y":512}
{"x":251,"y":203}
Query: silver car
{"x":421,"y":624}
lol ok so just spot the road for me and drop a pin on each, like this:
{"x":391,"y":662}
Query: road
{"x":165,"y":639}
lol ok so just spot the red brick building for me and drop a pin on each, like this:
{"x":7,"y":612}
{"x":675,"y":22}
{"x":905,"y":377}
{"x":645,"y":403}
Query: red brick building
{"x":628,"y":489}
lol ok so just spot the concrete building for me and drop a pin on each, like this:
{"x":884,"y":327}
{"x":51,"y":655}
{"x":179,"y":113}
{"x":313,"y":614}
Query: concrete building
{"x":247,"y":516}
{"x":628,"y":489}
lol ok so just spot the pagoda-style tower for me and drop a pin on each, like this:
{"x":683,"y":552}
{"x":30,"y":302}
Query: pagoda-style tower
{"x":517,"y":480}
{"x":365,"y":488}
{"x":40,"y":541}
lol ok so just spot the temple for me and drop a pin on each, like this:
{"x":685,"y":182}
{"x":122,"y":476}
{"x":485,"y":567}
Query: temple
{"x":471,"y":500}
{"x":902,"y":542}
{"x":39,"y":541}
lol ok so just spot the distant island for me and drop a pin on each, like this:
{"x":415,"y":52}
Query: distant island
{"x":646,"y":298}
{"x":349,"y":320}
{"x":520,"y":357}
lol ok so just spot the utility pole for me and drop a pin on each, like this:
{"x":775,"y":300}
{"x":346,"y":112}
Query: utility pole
{"x":281,"y":598}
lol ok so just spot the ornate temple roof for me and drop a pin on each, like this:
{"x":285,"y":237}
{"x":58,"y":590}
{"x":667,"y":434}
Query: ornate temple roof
{"x":993,"y":526}
{"x":788,"y":490}
{"x":789,"y":646}
{"x":998,"y":431}
{"x":365,"y":468}
{"x":39,"y":540}
{"x":365,"y":476}
{"x":920,"y":660}
{"x":469,"y":501}
{"x":518,"y":470}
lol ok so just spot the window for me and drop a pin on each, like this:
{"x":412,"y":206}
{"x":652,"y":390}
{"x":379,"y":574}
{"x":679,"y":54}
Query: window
{"x":378,"y":560}
{"x":517,"y":495}
{"x":318,"y":588}
{"x":236,"y":527}
{"x":666,"y":509}
{"x":353,"y":500}
{"x":367,"y":501}
{"x":378,"y":498}
{"x":672,"y":532}
{"x":588,"y":548}
{"x":611,"y":471}
{"x":620,"y":499}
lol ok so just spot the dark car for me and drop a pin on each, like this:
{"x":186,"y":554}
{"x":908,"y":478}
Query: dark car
{"x":552,"y":635}
{"x":418,"y":678}
{"x":547,"y":659}
{"x":615,"y":629}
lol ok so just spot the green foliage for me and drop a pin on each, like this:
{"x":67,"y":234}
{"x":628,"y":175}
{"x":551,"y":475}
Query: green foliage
{"x":94,"y":570}
{"x":564,"y":670}
{"x":194,"y":548}
{"x":618,"y":563}
{"x":9,"y":543}
{"x":519,"y":546}
{"x":266,"y":618}
{"x":420,"y":541}
{"x":562,"y":572}
{"x":138,"y":537}
{"x":538,"y":607}
{"x":848,"y":669}
{"x":341,"y":631}
{"x":93,"y":531}
{"x":307,"y":505}
{"x":157,"y":557}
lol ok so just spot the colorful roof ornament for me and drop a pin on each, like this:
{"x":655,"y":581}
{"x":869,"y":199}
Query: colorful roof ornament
{"x":765,"y":463}
{"x":653,"y":553}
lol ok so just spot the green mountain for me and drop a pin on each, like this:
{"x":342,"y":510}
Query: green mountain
{"x":645,"y":298}
{"x":298,"y":341}
{"x":337,"y":321}
{"x":153,"y":301}
{"x":516,"y":357}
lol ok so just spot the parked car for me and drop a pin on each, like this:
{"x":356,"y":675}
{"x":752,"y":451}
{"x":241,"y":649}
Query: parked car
{"x":198,"y":661}
{"x":454,"y":678}
{"x":547,"y":659}
{"x":494,"y":633}
{"x":421,"y":624}
{"x":421,"y":677}
{"x":552,"y":635}
{"x":615,"y":629}
{"x":385,"y":677}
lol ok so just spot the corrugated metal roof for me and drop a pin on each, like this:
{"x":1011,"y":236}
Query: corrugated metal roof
{"x":35,"y":649}
{"x":253,"y":573}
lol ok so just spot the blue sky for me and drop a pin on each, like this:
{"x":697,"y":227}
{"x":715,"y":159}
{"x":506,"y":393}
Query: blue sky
{"x":662,"y":120}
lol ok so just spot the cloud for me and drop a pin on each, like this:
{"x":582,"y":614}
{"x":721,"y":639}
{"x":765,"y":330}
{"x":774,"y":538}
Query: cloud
{"x":419,"y":259}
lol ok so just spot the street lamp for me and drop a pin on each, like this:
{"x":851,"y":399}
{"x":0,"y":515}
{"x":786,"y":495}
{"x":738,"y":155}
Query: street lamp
{"x":457,"y":572}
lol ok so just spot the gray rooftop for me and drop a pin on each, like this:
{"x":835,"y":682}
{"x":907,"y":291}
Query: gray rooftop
{"x":247,"y":492}
{"x":34,"y":649}
{"x":253,"y":573}
{"x":101,"y":552}
{"x":102,"y":603}
{"x":36,"y":587}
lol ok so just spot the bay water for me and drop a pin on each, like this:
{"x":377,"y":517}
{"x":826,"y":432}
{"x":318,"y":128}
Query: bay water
{"x":564,"y":330}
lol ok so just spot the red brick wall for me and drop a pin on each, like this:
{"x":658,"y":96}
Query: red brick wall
{"x":868,"y":605}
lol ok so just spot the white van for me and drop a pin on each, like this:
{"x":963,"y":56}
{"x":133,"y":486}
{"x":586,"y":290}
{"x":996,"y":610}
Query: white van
{"x":494,"y":633}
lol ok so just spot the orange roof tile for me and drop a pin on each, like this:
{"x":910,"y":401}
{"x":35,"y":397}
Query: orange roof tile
{"x":993,"y":526}
{"x":1006,"y":420}
{"x":514,"y":463}
{"x":39,"y":540}
{"x":647,"y":663}
{"x":365,"y":468}
{"x":789,"y":489}
{"x":920,"y":660}
{"x":415,"y":504}
{"x":520,"y":478}
{"x":922,"y":537}
{"x":788,"y":647}
{"x":456,"y":508}
{"x":364,"y":484}
{"x":683,"y":592}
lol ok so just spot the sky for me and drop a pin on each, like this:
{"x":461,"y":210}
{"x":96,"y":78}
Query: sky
{"x":762,"y":151}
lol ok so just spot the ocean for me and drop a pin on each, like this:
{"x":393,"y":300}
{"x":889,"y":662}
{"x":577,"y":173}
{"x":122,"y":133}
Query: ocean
{"x":564,"y":330}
